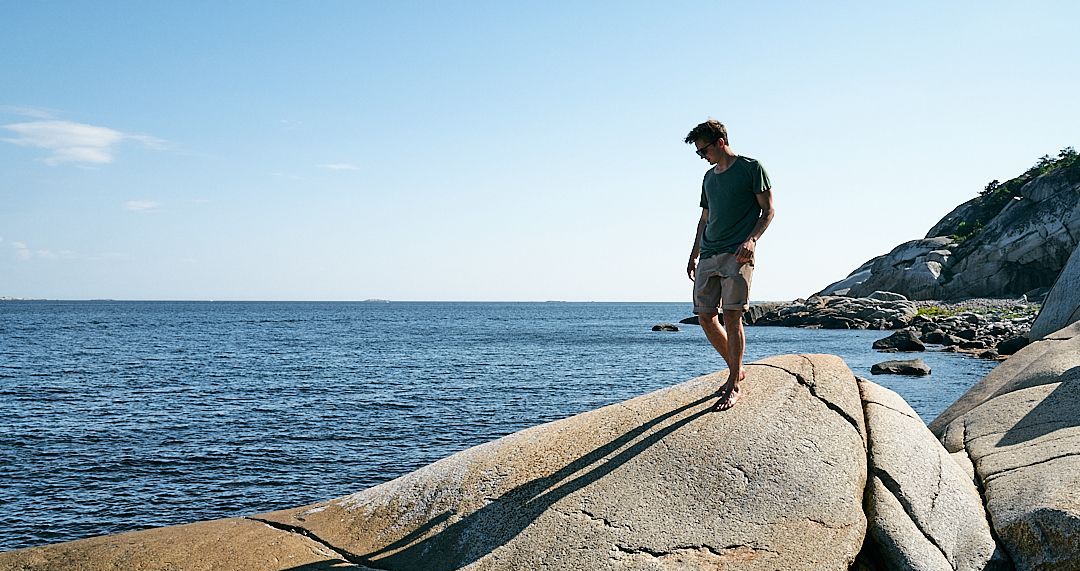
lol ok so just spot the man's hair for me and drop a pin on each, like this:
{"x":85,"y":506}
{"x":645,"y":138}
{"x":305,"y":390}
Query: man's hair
{"x":710,"y":131}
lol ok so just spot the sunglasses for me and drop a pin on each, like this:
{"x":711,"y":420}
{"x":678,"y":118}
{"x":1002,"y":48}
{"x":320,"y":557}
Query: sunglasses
{"x":701,"y":152}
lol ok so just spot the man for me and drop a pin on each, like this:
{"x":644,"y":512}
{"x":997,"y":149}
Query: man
{"x":736,"y":208}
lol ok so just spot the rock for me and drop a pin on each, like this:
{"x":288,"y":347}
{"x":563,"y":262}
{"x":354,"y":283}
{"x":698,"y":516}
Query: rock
{"x":951,"y":340}
{"x":656,"y":482}
{"x":835,"y":322}
{"x":923,"y":510}
{"x":903,"y":340}
{"x":935,"y":337}
{"x":665,"y":327}
{"x":907,"y":270}
{"x":1012,"y":345}
{"x":991,"y":354}
{"x":972,"y":345}
{"x":1022,"y":245}
{"x":1062,"y":307}
{"x":692,"y":320}
{"x":759,"y":310}
{"x":227,"y":544}
{"x":1019,"y":427}
{"x":886,"y":296}
{"x":967,"y":334}
{"x":913,"y":367}
{"x":843,"y":287}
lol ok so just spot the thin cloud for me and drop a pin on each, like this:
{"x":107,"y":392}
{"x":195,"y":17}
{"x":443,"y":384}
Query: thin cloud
{"x":141,"y":205}
{"x":339,"y":167}
{"x":21,"y":251}
{"x":71,"y":142}
{"x":27,"y":111}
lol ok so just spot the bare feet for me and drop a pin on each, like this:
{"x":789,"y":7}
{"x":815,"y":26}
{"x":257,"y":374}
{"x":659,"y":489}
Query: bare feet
{"x":729,"y":393}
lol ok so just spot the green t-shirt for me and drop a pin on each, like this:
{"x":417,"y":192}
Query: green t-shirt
{"x":733,"y":208}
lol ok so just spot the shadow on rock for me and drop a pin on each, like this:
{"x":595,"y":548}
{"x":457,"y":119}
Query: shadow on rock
{"x":1060,"y":409}
{"x":485,"y":530}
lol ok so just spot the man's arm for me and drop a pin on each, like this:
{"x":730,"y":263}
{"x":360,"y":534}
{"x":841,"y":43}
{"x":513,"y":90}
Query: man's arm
{"x":691,"y":266}
{"x":764,"y":200}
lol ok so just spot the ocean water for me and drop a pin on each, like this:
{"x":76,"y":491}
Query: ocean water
{"x":117,"y":416}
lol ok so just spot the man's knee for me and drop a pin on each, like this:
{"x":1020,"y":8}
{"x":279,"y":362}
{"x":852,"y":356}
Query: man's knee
{"x":733,"y":318}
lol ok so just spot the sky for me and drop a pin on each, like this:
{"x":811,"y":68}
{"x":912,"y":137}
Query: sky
{"x":497,"y":151}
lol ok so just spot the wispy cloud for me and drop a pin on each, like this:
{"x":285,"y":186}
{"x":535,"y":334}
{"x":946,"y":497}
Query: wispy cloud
{"x":141,"y":205}
{"x":27,"y":111}
{"x":339,"y":167}
{"x":21,"y":251}
{"x":75,"y":142}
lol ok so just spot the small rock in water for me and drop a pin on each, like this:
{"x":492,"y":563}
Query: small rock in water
{"x":665,"y":327}
{"x":913,"y":367}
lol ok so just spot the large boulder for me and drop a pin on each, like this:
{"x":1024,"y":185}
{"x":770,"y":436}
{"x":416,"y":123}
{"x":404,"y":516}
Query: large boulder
{"x":1020,"y":426}
{"x":656,"y":482}
{"x":1062,"y":305}
{"x":923,"y":510}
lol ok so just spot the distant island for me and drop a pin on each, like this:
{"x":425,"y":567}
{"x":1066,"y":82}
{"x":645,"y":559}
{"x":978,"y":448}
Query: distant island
{"x":376,"y":301}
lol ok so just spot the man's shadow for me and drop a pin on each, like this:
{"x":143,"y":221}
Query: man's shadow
{"x":494,"y":525}
{"x":1060,"y":409}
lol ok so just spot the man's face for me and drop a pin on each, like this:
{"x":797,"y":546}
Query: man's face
{"x":708,"y":150}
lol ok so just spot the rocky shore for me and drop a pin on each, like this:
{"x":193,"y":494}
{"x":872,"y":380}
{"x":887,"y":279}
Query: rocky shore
{"x":983,"y":327}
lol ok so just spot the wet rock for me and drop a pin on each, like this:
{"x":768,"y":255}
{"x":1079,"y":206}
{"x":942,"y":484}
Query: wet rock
{"x":665,"y":327}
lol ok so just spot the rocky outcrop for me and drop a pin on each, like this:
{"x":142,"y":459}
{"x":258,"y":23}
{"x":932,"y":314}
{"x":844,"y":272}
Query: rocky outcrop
{"x":1062,"y":307}
{"x":836,"y":312}
{"x":912,"y":269}
{"x":923,"y":511}
{"x":656,"y":482}
{"x":1005,"y":243}
{"x":1020,"y":426}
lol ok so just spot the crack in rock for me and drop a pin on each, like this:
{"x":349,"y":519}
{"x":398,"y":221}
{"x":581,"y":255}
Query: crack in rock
{"x":990,"y":477}
{"x":897,"y":411}
{"x":812,"y":387}
{"x":684,"y":549}
{"x":342,"y":553}
{"x":605,"y":521}
{"x":895,"y":489}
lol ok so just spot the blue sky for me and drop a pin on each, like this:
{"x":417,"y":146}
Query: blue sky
{"x":496,"y":150}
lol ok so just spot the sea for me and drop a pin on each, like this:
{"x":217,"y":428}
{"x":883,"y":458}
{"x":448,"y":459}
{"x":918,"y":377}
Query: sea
{"x":126,"y":415}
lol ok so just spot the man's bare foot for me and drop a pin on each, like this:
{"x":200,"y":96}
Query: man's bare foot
{"x":729,"y":393}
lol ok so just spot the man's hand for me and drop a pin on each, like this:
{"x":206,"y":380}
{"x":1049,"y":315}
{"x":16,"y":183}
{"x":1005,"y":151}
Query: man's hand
{"x":691,"y":268}
{"x":745,"y":253}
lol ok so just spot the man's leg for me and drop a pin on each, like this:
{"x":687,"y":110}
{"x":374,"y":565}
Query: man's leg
{"x":710,"y":323}
{"x":736,"y":344}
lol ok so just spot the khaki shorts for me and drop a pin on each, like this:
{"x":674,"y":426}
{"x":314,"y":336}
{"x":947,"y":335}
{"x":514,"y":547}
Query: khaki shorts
{"x":722,"y":281}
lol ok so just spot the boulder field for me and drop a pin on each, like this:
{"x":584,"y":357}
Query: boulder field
{"x":814,"y":469}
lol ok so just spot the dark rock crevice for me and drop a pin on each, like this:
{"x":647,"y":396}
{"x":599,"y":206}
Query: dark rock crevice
{"x":344,"y":554}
